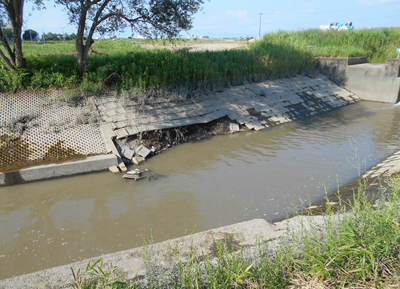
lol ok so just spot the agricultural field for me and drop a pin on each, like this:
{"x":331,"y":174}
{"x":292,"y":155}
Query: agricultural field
{"x":188,"y":67}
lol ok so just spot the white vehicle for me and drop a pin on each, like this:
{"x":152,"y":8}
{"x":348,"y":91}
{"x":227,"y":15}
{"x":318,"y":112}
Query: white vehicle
{"x":324,"y":27}
{"x":337,"y":26}
{"x":140,"y":37}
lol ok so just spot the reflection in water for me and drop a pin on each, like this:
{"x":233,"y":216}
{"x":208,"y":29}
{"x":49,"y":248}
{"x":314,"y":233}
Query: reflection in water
{"x":206,"y":184}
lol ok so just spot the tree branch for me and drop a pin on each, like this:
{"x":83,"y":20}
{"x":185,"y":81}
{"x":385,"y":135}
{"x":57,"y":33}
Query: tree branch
{"x":11,"y":56}
{"x":6,"y":60}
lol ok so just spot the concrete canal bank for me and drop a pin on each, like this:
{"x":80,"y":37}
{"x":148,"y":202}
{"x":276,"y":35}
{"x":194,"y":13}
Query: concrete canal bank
{"x":39,"y":129}
{"x":121,"y":125}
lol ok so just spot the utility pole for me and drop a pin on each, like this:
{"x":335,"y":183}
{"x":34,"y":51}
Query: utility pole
{"x":30,"y":32}
{"x":259,"y":30}
{"x":63,"y":34}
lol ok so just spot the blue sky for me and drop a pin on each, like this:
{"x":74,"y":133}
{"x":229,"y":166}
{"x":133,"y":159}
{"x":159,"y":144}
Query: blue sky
{"x":234,"y":18}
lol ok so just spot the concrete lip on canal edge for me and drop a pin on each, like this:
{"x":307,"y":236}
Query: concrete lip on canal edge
{"x":88,"y":165}
{"x":388,"y":167}
{"x":131,"y":264}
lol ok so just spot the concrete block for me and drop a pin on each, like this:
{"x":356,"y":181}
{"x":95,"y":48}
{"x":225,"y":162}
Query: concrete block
{"x":234,"y":127}
{"x":143,"y":151}
{"x":114,"y":169}
{"x":131,"y":176}
{"x":128,"y":153}
{"x":138,"y":160}
{"x":121,"y":133}
{"x":122,"y":167}
{"x":91,"y":164}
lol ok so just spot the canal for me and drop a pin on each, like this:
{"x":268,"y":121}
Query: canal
{"x":203,"y":185}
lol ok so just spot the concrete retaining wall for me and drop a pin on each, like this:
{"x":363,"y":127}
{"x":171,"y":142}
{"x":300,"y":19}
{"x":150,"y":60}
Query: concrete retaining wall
{"x":375,"y":82}
{"x":91,"y":164}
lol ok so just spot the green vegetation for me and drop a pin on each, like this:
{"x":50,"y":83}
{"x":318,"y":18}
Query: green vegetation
{"x":125,"y":65}
{"x":29,"y":34}
{"x":377,"y":45}
{"x":357,"y":249}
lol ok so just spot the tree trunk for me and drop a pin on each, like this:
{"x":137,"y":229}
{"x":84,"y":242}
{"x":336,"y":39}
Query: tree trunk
{"x":80,"y":47}
{"x":14,"y":11}
{"x":10,"y":60}
{"x":82,"y":58}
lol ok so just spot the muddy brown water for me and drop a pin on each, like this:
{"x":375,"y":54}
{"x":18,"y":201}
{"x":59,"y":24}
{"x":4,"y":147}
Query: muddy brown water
{"x":206,"y":184}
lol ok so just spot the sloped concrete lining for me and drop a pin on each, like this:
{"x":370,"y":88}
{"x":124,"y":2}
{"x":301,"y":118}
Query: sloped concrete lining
{"x":369,"y":81}
{"x":90,"y":164}
{"x":131,"y":264}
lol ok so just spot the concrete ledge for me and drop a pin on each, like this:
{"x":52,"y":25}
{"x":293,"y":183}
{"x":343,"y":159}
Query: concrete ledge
{"x":130,"y":262}
{"x":357,"y":60}
{"x":375,"y":82}
{"x":340,"y":62}
{"x":91,"y":164}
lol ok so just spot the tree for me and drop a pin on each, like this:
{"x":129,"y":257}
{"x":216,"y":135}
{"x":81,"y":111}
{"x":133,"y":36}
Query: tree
{"x":29,"y":34}
{"x":12,"y":9}
{"x":148,"y":17}
{"x":8,"y":34}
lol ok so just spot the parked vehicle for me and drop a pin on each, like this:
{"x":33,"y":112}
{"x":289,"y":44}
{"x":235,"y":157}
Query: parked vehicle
{"x":347,"y":26}
{"x":337,"y":26}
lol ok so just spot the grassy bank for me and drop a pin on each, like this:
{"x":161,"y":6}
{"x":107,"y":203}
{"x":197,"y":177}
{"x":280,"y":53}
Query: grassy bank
{"x":124,"y":65}
{"x":358,"y":249}
{"x":377,"y":45}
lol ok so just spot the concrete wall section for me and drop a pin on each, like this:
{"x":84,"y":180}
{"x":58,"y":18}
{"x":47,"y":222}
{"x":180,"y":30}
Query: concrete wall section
{"x":91,"y":164}
{"x":375,"y":82}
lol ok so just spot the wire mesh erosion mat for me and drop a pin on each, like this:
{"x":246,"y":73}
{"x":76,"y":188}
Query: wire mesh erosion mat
{"x":37,"y":128}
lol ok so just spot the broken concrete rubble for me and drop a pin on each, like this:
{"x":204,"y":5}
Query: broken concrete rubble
{"x":114,"y":169}
{"x":131,"y":176}
{"x":122,"y":167}
{"x":234,"y":127}
{"x":138,"y":160}
{"x":128,"y":153}
{"x":143,"y":151}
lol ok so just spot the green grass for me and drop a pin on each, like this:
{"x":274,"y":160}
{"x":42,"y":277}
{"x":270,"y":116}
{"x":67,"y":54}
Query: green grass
{"x":125,"y":65}
{"x":357,"y":249}
{"x":377,"y":45}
